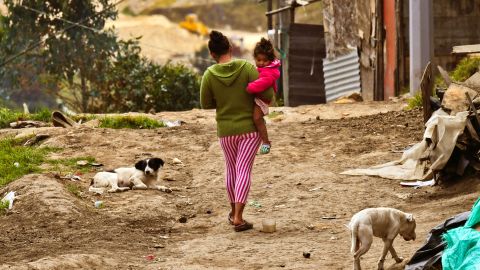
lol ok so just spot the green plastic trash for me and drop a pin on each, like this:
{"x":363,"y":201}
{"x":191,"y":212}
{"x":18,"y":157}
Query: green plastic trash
{"x":463,"y":244}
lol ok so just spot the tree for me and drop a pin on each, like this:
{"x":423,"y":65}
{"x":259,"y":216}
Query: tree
{"x":75,"y":55}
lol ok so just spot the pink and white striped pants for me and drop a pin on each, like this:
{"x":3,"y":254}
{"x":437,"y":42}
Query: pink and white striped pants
{"x":239,"y":151}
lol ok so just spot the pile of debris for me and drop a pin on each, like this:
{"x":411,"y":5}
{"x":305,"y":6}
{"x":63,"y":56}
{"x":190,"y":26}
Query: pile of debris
{"x":451,"y":142}
{"x":457,"y":98}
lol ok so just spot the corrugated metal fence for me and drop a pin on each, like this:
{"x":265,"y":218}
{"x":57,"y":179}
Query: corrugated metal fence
{"x":342,"y":76}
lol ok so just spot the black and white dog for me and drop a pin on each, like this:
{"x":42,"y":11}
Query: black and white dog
{"x":143,"y":176}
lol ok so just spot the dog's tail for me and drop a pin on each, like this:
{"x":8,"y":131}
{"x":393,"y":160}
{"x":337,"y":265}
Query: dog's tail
{"x":353,"y":226}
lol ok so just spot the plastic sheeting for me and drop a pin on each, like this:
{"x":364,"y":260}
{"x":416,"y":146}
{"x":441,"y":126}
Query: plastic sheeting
{"x":430,"y":254}
{"x":439,"y":139}
{"x":463,"y":244}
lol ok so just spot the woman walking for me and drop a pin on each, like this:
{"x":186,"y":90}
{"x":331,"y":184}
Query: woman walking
{"x":224,"y":88}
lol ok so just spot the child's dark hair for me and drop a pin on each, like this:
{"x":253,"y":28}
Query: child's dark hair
{"x":265,"y":47}
{"x":218,"y":43}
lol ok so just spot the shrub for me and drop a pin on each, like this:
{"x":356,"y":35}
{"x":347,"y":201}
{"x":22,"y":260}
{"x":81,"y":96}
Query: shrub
{"x":466,"y":68}
{"x":132,"y":122}
{"x":415,"y":101}
{"x":134,"y":83}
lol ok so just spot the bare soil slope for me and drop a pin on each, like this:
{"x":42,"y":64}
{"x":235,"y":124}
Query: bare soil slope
{"x":298,"y":185}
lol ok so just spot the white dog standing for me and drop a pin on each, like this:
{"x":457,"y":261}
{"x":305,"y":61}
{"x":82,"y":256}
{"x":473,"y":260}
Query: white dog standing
{"x":143,"y":176}
{"x":385,"y":223}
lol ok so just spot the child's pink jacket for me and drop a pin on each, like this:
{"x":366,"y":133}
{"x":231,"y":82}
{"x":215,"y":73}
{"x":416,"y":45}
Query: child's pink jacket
{"x":267,"y":78}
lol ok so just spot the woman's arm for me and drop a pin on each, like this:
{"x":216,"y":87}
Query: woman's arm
{"x":207,"y":101}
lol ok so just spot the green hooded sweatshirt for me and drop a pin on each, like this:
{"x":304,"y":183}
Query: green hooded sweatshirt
{"x":224,"y":88}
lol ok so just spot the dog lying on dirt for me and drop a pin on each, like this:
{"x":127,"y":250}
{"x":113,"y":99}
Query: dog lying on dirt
{"x":142,"y":176}
{"x":385,"y":223}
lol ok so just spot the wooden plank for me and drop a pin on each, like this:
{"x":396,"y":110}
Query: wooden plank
{"x":465,"y":49}
{"x":472,"y":107}
{"x":472,"y":131}
{"x":426,"y":85}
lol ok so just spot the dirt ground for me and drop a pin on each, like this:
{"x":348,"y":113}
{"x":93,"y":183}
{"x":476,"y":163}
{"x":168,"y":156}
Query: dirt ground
{"x":298,"y":185}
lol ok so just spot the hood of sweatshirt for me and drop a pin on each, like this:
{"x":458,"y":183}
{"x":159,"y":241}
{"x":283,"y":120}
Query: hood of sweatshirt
{"x":227,"y":73}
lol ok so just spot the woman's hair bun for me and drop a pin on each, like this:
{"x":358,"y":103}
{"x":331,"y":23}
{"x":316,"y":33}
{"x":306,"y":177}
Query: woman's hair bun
{"x":218,"y":43}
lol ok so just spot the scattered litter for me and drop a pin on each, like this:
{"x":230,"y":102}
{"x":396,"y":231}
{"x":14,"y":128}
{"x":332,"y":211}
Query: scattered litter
{"x":38,"y":138}
{"x":209,"y":212}
{"x":98,"y":191}
{"x":164,"y":237}
{"x":159,"y":246}
{"x":28,"y":124}
{"x":99,"y":204}
{"x":311,"y":227}
{"x":9,"y":197}
{"x":333,"y":155}
{"x":326,"y":217}
{"x":333,"y":238}
{"x":16,"y":164}
{"x":94,"y":164}
{"x":255,"y":204}
{"x":150,"y":257}
{"x":82,"y":163}
{"x":175,"y":123}
{"x":177,"y":161}
{"x":61,"y":120}
{"x":306,"y":255}
{"x":315,"y":189}
{"x":269,"y":226}
{"x":71,"y":177}
{"x":182,"y":220}
{"x":280,"y":206}
{"x":418,"y":184}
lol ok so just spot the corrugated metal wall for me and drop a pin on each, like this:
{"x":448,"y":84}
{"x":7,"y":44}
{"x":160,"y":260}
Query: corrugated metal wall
{"x":305,"y":67}
{"x":342,"y":76}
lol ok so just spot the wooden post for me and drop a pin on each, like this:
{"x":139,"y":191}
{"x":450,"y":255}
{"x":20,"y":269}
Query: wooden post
{"x":426,"y":85}
{"x":379,"y":67}
{"x":269,"y":17}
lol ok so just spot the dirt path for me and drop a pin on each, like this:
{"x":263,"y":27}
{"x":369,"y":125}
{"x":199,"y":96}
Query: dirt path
{"x":298,"y":185}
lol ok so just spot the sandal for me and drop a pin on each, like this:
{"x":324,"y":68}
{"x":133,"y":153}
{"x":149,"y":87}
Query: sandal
{"x":243,"y":227}
{"x":230,"y":218}
{"x":265,"y":148}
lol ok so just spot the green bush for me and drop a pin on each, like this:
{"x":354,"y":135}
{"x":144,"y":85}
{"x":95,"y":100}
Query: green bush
{"x":415,"y":101}
{"x":133,"y":83}
{"x":466,"y":68}
{"x":132,"y":122}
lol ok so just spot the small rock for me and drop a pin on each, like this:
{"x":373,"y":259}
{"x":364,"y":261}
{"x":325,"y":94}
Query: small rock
{"x":209,"y":212}
{"x":282,"y":265}
{"x":182,"y":220}
{"x":306,"y":255}
{"x":333,"y":238}
{"x":311,"y":227}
